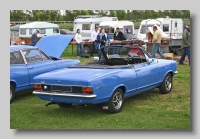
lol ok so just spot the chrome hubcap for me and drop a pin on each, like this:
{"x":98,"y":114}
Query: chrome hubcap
{"x":117,"y":100}
{"x":168,"y":83}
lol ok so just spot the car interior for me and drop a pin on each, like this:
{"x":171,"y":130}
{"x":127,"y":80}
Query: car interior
{"x":132,"y":57}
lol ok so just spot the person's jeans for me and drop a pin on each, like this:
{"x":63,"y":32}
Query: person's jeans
{"x":92,"y":48}
{"x":156,"y":49}
{"x":79,"y":49}
{"x":100,"y":55}
{"x":116,"y":50}
{"x":186,"y":51}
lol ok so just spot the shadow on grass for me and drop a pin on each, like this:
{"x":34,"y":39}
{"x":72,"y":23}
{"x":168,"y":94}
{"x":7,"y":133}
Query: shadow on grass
{"x":19,"y":96}
{"x":77,"y":110}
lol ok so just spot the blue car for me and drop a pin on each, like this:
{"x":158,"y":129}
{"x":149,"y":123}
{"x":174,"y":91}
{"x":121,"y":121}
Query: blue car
{"x":26,"y":62}
{"x":107,"y":82}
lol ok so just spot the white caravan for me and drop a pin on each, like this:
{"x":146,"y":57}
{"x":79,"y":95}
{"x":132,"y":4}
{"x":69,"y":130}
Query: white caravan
{"x":170,"y":26}
{"x":124,"y":26}
{"x":87,"y":23}
{"x":173,"y":27}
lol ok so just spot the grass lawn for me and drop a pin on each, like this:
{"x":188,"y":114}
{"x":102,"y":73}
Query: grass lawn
{"x":149,"y":110}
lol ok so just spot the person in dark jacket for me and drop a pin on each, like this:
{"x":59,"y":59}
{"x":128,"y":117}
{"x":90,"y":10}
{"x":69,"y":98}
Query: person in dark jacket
{"x":102,"y":40}
{"x":185,"y":45}
{"x":34,"y":38}
{"x":118,"y":35}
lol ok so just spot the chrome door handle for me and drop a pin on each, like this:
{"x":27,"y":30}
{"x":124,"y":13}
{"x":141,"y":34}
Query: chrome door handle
{"x":137,"y":69}
{"x":30,"y":67}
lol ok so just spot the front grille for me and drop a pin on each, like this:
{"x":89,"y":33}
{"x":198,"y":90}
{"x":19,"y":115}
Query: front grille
{"x":57,"y":88}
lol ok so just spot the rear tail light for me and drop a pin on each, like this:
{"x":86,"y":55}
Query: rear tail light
{"x":87,"y":90}
{"x":37,"y":87}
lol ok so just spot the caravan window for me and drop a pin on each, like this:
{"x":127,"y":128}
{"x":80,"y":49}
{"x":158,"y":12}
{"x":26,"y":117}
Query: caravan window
{"x":23,"y":31}
{"x":96,"y":25}
{"x":42,"y":31}
{"x":55,"y":30}
{"x":143,"y":28}
{"x":86,"y":26}
{"x":30,"y":31}
{"x":165,"y":27}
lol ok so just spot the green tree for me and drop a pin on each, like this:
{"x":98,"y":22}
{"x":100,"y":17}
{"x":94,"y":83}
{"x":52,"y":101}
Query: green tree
{"x":121,"y":14}
{"x":48,"y":15}
{"x":84,"y":12}
{"x":186,"y":14}
{"x":90,"y":12}
{"x":112,"y":13}
{"x":128,"y":17}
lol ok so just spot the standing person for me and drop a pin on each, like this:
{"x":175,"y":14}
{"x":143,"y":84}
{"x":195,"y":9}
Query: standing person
{"x":106,"y":30}
{"x":34,"y":38}
{"x":185,"y":45}
{"x":157,"y":37}
{"x":93,"y":38}
{"x":102,"y":40}
{"x":79,"y":43}
{"x":118,"y":35}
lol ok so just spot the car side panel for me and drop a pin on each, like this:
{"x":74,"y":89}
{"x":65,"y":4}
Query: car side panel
{"x":65,"y":63}
{"x":19,"y":74}
{"x":103,"y":87}
{"x":39,"y":68}
{"x":166,"y":67}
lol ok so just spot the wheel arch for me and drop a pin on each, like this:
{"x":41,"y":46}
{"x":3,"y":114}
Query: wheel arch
{"x":13,"y":84}
{"x":122,"y":87}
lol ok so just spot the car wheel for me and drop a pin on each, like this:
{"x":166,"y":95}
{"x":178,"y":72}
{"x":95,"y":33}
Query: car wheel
{"x":12,"y":94}
{"x":116,"y":101}
{"x":166,"y":85}
{"x":64,"y":105}
{"x":86,"y":49}
{"x":179,"y":51}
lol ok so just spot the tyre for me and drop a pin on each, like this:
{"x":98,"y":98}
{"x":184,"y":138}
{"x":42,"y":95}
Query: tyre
{"x":179,"y":51}
{"x":116,"y":101}
{"x":166,"y":85}
{"x":12,"y":94}
{"x":86,"y":49}
{"x":64,"y":105}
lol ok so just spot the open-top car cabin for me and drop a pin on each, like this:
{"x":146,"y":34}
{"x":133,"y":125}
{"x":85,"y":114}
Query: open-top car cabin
{"x":127,"y":57}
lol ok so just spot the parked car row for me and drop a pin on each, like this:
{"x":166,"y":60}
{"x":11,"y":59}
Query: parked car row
{"x":67,"y":82}
{"x":26,"y":62}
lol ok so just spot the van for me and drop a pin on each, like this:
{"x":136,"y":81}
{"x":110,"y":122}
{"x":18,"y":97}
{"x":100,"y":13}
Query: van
{"x":173,"y":27}
{"x":127,"y":27}
{"x":170,"y":26}
{"x":87,"y":23}
{"x":45,"y":29}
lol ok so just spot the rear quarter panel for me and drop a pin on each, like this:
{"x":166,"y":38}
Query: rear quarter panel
{"x":65,"y":63}
{"x":166,"y":66}
{"x":104,"y":86}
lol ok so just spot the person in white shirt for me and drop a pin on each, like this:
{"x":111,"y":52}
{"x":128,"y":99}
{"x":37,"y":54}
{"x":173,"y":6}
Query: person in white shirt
{"x":79,"y":43}
{"x":93,"y":39}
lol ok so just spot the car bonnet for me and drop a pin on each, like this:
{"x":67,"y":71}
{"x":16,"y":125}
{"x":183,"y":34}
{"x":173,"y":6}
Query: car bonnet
{"x":54,"y":45}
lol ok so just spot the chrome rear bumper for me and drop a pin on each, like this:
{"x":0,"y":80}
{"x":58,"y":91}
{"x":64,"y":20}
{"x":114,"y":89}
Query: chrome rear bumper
{"x":63,"y":94}
{"x":175,"y":72}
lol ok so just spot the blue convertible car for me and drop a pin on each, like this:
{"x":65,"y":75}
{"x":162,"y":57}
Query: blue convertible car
{"x":27,"y":62}
{"x":108,"y":82}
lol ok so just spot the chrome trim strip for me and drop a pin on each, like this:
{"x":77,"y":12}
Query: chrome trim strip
{"x":64,"y":85}
{"x":23,"y":56}
{"x":63,"y":95}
